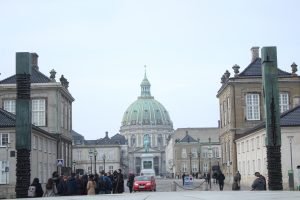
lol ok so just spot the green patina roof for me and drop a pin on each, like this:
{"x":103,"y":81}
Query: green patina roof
{"x":146,"y":110}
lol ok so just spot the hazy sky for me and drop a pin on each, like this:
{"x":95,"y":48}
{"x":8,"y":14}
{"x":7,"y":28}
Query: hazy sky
{"x":101,"y":47}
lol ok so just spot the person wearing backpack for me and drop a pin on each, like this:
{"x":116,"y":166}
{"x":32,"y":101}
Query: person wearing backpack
{"x":35,"y":189}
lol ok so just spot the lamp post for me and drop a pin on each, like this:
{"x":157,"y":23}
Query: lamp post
{"x":190,"y":156}
{"x":291,"y":172}
{"x":104,"y":158}
{"x":91,"y":158}
{"x":95,"y":157}
{"x":74,"y":164}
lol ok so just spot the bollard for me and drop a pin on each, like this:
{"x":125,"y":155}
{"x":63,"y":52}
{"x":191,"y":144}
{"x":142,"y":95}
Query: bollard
{"x":173,"y":186}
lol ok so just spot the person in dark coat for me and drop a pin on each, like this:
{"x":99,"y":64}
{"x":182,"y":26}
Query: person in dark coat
{"x":62,"y":188}
{"x":84,"y":180}
{"x":130,"y":182}
{"x":38,"y":187}
{"x":183,"y":175}
{"x":259,"y":183}
{"x":72,"y":185}
{"x":79,"y":184}
{"x":221,"y":179}
{"x":120,"y":183}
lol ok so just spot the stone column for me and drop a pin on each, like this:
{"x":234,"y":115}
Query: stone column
{"x":270,"y":88}
{"x":23,"y":123}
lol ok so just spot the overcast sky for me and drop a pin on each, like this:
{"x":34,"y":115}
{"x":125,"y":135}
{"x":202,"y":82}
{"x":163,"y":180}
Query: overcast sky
{"x":101,"y":47}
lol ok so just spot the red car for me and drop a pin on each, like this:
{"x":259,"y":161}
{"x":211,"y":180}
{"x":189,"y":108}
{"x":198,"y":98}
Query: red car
{"x":144,"y":183}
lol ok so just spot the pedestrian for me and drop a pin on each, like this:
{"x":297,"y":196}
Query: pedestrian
{"x":183,"y":175}
{"x":120,"y":182}
{"x":221,"y":179}
{"x":51,"y":190}
{"x":259,"y":183}
{"x":79,"y":185}
{"x":72,"y":185}
{"x":91,"y":185}
{"x":35,"y":189}
{"x":130,"y":182}
{"x":208,"y":178}
{"x":238,"y":177}
{"x":62,"y":188}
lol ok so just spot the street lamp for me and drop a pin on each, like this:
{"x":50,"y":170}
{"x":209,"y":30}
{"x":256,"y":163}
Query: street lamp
{"x":91,"y":158}
{"x":95,"y":156}
{"x":190,"y":155}
{"x":290,"y":172}
{"x":104,"y":158}
{"x":74,"y":164}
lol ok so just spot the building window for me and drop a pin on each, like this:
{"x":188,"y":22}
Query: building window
{"x":252,"y":144}
{"x":111,"y":169}
{"x":258,"y":165}
{"x":4,"y":138}
{"x":194,"y":152}
{"x":40,"y":144}
{"x":248,"y":167}
{"x":252,"y":107}
{"x":283,"y":101}
{"x":39,"y":112}
{"x":244,"y":167}
{"x":3,"y":173}
{"x":10,"y":106}
{"x":35,"y":142}
{"x":205,"y":167}
{"x":205,"y":152}
{"x":239,"y":148}
{"x":257,"y":143}
{"x":45,"y":145}
{"x":49,"y":146}
{"x":264,"y":140}
{"x":243,"y":148}
{"x":183,"y":153}
{"x":253,"y":166}
{"x":225,"y":112}
{"x":247,"y":145}
{"x":194,"y":167}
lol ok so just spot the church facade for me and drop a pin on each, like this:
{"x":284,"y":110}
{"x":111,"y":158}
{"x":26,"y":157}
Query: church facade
{"x":147,"y":126}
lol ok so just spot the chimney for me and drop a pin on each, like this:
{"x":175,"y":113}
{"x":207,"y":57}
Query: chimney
{"x":255,"y":53}
{"x":35,"y":58}
{"x":106,"y":134}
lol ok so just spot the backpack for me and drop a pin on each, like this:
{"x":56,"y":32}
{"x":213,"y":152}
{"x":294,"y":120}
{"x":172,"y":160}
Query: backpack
{"x":31,"y":191}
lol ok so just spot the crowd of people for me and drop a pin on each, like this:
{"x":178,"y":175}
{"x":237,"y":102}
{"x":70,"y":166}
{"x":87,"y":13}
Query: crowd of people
{"x":105,"y":183}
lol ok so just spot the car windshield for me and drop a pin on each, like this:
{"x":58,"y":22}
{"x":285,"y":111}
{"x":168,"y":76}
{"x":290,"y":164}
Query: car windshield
{"x":143,"y":178}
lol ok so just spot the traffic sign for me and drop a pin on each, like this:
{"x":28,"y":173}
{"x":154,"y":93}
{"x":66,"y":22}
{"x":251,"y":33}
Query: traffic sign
{"x":60,"y":162}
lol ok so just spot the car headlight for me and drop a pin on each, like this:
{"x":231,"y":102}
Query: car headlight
{"x":148,"y":183}
{"x":136,"y":184}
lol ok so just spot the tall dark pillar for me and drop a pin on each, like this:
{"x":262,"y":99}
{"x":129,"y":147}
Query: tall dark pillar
{"x":270,"y":88}
{"x":23,"y":123}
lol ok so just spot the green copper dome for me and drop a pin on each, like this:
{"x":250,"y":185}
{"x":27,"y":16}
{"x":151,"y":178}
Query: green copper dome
{"x":146,"y":110}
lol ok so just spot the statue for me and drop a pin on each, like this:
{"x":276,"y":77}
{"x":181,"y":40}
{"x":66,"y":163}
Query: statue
{"x":146,"y":142}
